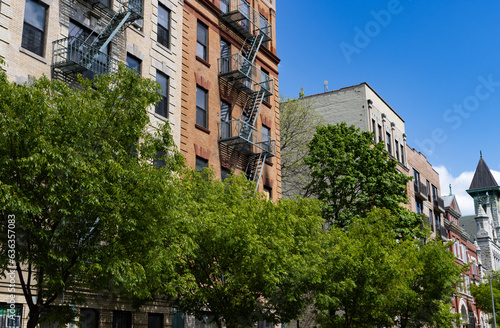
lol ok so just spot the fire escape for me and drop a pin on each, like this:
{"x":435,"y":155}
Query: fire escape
{"x":74,"y":55}
{"x":238,"y":70}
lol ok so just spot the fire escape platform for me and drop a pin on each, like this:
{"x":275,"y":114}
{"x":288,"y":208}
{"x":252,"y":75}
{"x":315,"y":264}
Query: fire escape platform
{"x":246,"y":20}
{"x":245,"y":138}
{"x":243,"y":75}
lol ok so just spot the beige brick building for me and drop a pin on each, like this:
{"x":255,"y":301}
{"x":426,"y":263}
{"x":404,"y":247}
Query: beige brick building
{"x":180,"y":45}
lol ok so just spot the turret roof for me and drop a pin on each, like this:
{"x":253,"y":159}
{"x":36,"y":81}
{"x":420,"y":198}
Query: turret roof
{"x":483,"y":179}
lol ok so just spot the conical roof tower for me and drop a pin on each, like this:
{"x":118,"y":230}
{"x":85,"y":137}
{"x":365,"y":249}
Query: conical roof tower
{"x":486,"y":193}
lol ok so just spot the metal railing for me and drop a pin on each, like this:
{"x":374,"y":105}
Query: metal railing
{"x":237,"y":68}
{"x":238,"y":132}
{"x":439,"y":203}
{"x":420,"y":189}
{"x":74,"y":55}
{"x":247,"y":20}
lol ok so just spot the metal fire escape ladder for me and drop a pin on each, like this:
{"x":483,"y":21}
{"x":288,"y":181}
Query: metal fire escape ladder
{"x":252,"y":106}
{"x":255,"y":167}
{"x":71,"y":55}
{"x":249,"y":140}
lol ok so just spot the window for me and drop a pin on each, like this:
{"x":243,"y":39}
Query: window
{"x":178,"y":319}
{"x":419,"y":206}
{"x":34,"y":27}
{"x":83,"y":33}
{"x":245,"y":10}
{"x":225,"y":128}
{"x":11,"y":318}
{"x":416,"y":177}
{"x":388,"y":142}
{"x":264,"y":26}
{"x":202,"y":41}
{"x":266,"y":138}
{"x":430,"y":220}
{"x":396,"y":148}
{"x":163,"y":32}
{"x":201,"y":106}
{"x":224,"y":6}
{"x":437,"y":220}
{"x":402,"y":154}
{"x":201,"y":163}
{"x":434,"y":193}
{"x":155,"y":320}
{"x":134,"y":63}
{"x":159,"y":160}
{"x":225,"y":56}
{"x":122,"y":319}
{"x":89,"y":318}
{"x":162,"y":107}
{"x":380,"y":135}
{"x":224,"y":173}
{"x":374,"y":131}
{"x":264,"y":79}
{"x":268,"y":191}
{"x":428,"y":191}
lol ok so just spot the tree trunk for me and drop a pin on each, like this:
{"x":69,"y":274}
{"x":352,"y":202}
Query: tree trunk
{"x":33,"y":317}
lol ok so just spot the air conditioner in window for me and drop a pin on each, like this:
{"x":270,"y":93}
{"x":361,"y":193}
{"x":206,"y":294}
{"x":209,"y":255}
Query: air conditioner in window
{"x":13,"y":321}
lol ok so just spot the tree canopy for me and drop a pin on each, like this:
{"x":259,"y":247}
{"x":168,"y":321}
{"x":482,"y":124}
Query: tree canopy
{"x":78,"y":174}
{"x":351,"y":175}
{"x":252,"y":260}
{"x":372,"y":279}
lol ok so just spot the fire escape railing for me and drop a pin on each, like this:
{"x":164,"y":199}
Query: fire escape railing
{"x":74,"y":55}
{"x":240,"y":72}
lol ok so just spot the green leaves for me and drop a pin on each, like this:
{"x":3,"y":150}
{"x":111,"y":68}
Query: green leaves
{"x":252,"y":259}
{"x":76,"y":171}
{"x":351,"y":175}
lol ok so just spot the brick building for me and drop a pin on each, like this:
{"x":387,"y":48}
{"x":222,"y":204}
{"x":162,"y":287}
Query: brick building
{"x":216,"y":64}
{"x":466,"y":252}
{"x":230,"y":103}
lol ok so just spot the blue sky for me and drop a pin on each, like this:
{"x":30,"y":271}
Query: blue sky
{"x":436,"y":63}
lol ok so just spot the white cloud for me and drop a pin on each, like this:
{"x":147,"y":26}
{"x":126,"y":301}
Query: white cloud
{"x":459,"y":186}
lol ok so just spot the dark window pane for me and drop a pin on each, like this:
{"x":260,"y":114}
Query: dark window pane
{"x":33,"y":39}
{"x":122,"y":319}
{"x":178,"y":320}
{"x":201,"y":38}
{"x":10,"y":318}
{"x":224,"y":173}
{"x":34,"y":14}
{"x":224,"y":6}
{"x":225,"y":53}
{"x":201,"y":163}
{"x":162,"y":106}
{"x":155,"y":320}
{"x":134,"y":63}
{"x":163,"y":26}
{"x":201,"y":107}
{"x":89,"y":318}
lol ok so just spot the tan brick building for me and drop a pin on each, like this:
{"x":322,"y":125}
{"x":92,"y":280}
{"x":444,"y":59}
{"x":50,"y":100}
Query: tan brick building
{"x":230,"y":113}
{"x":161,"y":40}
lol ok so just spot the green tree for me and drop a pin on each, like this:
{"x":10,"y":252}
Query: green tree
{"x":430,"y":276}
{"x":482,"y":294}
{"x":361,"y":274}
{"x":351,"y":175}
{"x":78,"y":174}
{"x":253,"y":260}
{"x":373,"y":279}
{"x":298,"y":122}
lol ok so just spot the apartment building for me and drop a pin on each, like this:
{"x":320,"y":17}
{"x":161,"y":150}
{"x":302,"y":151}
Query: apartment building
{"x":466,"y":253}
{"x":230,"y":103}
{"x":424,"y":192}
{"x":216,"y":64}
{"x":360,"y":105}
